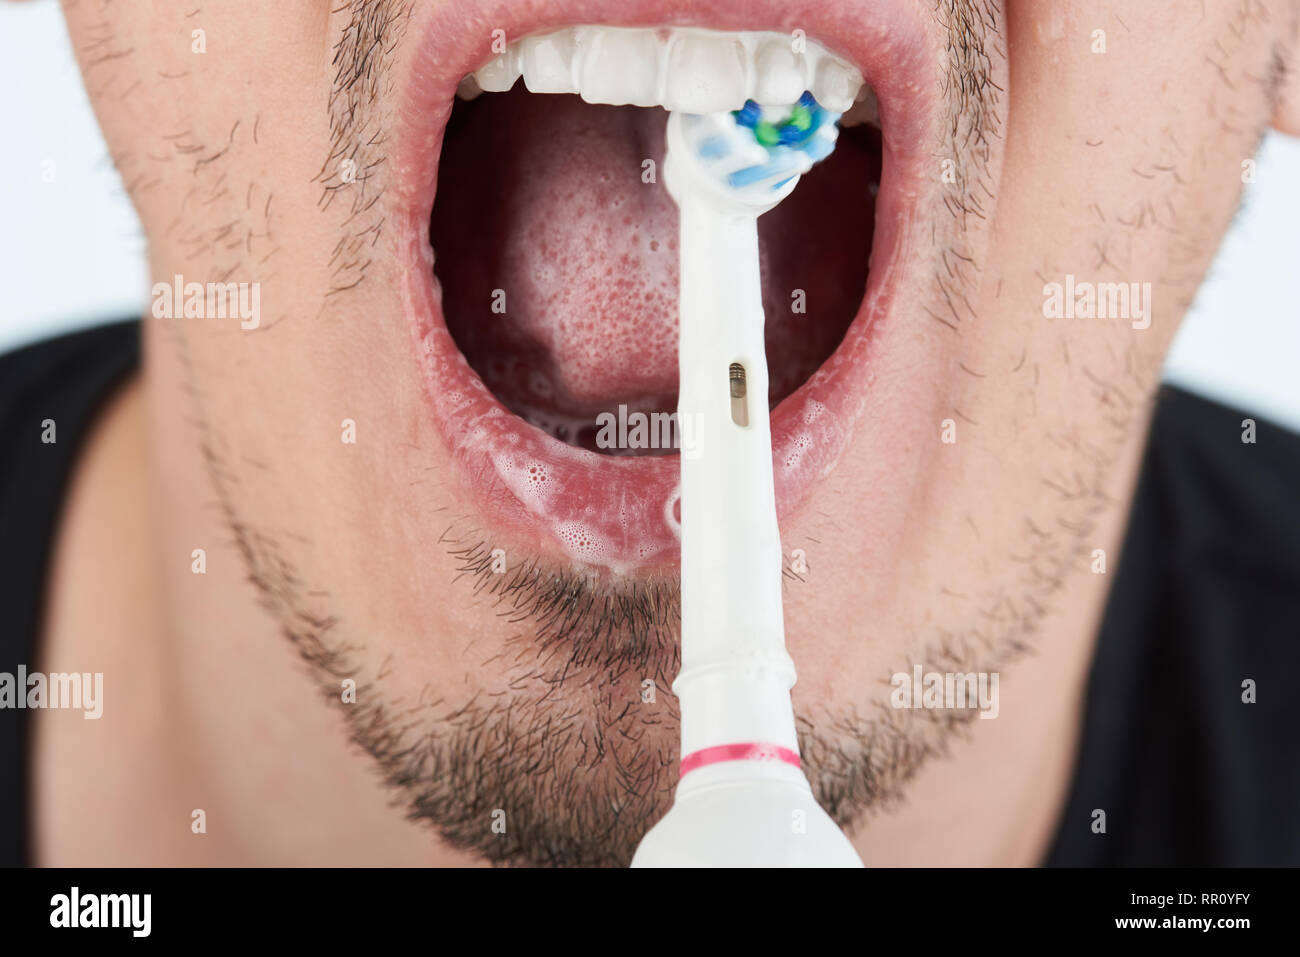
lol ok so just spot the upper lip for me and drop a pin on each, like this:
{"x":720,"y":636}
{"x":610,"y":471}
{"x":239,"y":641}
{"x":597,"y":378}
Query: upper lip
{"x":885,"y":39}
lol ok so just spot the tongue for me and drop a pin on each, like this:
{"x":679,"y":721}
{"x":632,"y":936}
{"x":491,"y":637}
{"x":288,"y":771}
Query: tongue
{"x":557,"y":253}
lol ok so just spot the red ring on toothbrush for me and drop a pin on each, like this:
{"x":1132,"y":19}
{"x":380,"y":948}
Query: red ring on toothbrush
{"x":751,"y":751}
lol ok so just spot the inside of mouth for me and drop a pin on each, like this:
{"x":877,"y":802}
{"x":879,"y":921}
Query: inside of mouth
{"x":555,"y":247}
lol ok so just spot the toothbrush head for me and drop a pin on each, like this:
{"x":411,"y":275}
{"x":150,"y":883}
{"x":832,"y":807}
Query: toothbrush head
{"x":749,"y":159}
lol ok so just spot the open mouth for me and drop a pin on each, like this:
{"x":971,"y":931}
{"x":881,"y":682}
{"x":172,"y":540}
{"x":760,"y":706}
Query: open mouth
{"x":574,"y":228}
{"x":543,"y":274}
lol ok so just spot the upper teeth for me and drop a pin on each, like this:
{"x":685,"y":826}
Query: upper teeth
{"x":679,"y":68}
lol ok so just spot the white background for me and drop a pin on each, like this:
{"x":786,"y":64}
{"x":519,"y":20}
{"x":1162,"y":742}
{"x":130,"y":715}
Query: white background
{"x":72,"y":253}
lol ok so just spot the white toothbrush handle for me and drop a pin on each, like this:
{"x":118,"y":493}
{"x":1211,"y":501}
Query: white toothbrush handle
{"x":743,"y":800}
{"x":736,"y":674}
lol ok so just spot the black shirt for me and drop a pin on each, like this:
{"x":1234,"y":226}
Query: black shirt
{"x":1206,"y":597}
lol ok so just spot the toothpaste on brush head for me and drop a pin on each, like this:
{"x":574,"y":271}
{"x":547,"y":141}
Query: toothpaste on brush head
{"x":743,"y":799}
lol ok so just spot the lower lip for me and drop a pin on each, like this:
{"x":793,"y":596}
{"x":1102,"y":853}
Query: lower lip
{"x":608,"y":512}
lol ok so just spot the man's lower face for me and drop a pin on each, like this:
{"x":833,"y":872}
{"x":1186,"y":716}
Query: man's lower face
{"x":441,"y":452}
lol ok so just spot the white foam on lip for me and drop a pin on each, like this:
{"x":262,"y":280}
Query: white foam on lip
{"x":581,"y":542}
{"x":528,"y":479}
{"x":537,"y":486}
{"x":670,"y":509}
{"x":794,"y":451}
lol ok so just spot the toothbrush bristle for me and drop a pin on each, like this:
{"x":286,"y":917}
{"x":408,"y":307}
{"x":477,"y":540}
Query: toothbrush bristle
{"x":800,"y":136}
{"x":756,"y":151}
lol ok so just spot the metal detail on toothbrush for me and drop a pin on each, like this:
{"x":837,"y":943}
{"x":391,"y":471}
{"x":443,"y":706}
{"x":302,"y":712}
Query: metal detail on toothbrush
{"x":736,"y":386}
